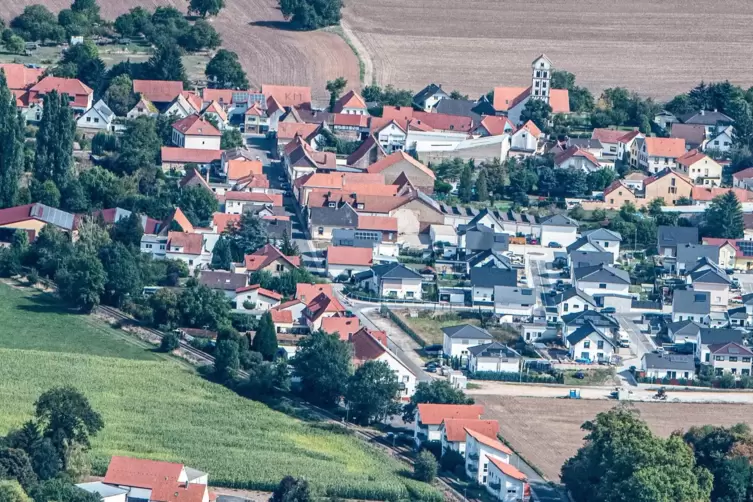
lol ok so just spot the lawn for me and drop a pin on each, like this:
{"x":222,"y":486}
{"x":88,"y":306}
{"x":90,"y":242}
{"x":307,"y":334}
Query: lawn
{"x":163,"y":410}
{"x":429,"y":328}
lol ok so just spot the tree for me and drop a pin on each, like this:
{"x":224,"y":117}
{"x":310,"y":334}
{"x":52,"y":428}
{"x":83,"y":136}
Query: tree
{"x":562,"y":79}
{"x":139,"y":146}
{"x":47,"y":193}
{"x":248,"y":236}
{"x":49,"y":250}
{"x":201,"y":307}
{"x":66,"y":418}
{"x":198,"y":204}
{"x":169,"y":342}
{"x":265,"y":340}
{"x":128,"y":230}
{"x":266,"y":379}
{"x":623,"y":460}
{"x":222,"y":257}
{"x":81,"y":280}
{"x":599,"y":180}
{"x":87,"y":7}
{"x":123,"y":273}
{"x":537,"y":111}
{"x":425,"y":467}
{"x":38,"y":23}
{"x":292,"y":489}
{"x":288,"y":247}
{"x":323,"y":362}
{"x":11,"y":146}
{"x":435,"y":392}
{"x":15,"y":464}
{"x":15,"y":45}
{"x":311,"y":14}
{"x":200,"y":36}
{"x":204,"y":7}
{"x":45,"y":459}
{"x":226,"y":361}
{"x":548,"y":181}
{"x":54,"y":152}
{"x":11,"y":491}
{"x":224,"y":71}
{"x":166,"y":63}
{"x":231,"y":138}
{"x":61,"y":490}
{"x":335,"y":88}
{"x":465,"y":187}
{"x":724,"y":217}
{"x":84,"y":62}
{"x":119,"y":95}
{"x":371,"y":393}
{"x":482,"y":190}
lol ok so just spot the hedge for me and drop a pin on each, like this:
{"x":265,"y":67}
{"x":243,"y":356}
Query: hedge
{"x":403,"y":326}
{"x":509,"y":376}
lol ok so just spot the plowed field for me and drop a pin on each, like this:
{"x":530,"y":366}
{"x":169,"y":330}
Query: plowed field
{"x":251,"y":28}
{"x":655,"y":48}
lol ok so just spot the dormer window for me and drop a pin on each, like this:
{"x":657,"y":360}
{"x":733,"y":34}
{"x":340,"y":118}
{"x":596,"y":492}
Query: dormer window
{"x":359,"y":205}
{"x":331,"y":204}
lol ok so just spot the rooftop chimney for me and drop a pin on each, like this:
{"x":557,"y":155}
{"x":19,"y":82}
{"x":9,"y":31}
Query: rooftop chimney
{"x":703,"y":112}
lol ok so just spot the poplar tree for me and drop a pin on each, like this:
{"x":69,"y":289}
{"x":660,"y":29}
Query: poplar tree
{"x":11,"y":145}
{"x":54,"y":154}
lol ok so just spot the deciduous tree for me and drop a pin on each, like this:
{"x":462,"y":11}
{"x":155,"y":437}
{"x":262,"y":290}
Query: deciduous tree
{"x":372,"y":392}
{"x":123,"y":273}
{"x":231,"y":138}
{"x":81,"y":280}
{"x":204,"y":7}
{"x":248,"y":236}
{"x":335,"y":88}
{"x":323,"y":363}
{"x":139,"y":146}
{"x":425,"y":468}
{"x":292,"y":489}
{"x":166,"y":63}
{"x":224,"y":71}
{"x":226,"y":361}
{"x":538,"y":111}
{"x":119,"y":95}
{"x":311,"y":14}
{"x":128,"y":231}
{"x":435,"y":392}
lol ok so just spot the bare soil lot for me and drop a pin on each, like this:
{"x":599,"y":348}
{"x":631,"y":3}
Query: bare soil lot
{"x":656,"y":48}
{"x":547,"y":431}
{"x":251,"y":28}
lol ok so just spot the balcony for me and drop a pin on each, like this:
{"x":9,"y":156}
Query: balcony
{"x":473,"y":456}
{"x":472,"y":468}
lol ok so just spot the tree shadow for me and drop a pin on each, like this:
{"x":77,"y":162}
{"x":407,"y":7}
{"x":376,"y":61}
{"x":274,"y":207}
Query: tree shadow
{"x":277,"y":25}
{"x":42,"y":303}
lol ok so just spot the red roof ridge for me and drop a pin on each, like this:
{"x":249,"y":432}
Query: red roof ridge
{"x":491,"y":442}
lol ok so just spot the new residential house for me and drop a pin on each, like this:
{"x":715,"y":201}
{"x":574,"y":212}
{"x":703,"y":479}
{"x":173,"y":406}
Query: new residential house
{"x":429,"y":418}
{"x":709,"y":337}
{"x":195,"y":132}
{"x":393,"y":280}
{"x":513,"y":303}
{"x":571,"y":300}
{"x":688,"y":256}
{"x":453,"y":432}
{"x":707,"y":276}
{"x":660,"y":153}
{"x":689,"y":305}
{"x":495,"y":357}
{"x":702,"y":169}
{"x":484,"y":280}
{"x":506,"y":483}
{"x":590,"y":336}
{"x":669,"y":238}
{"x":459,"y":339}
{"x":479,"y":451}
{"x":560,"y":229}
{"x":601,"y":280}
{"x":731,"y":358}
{"x":671,"y":366}
{"x":366,"y":347}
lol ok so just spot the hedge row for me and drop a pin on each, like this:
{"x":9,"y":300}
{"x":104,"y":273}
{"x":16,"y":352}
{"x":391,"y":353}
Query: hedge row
{"x":509,"y":376}
{"x":394,"y":317}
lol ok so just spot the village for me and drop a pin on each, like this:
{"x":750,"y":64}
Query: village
{"x":371,"y":222}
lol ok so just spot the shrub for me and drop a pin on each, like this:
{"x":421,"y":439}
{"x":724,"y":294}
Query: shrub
{"x":425,"y":467}
{"x":169,"y":342}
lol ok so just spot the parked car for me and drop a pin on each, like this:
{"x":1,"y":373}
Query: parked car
{"x":554,"y":245}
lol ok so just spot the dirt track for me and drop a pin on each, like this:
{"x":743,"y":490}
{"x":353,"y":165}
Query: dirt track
{"x":252,"y":29}
{"x":655,"y":48}
{"x":547,"y":432}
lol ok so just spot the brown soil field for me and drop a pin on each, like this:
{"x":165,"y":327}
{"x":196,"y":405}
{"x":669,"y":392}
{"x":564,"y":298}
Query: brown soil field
{"x":251,"y":28}
{"x":655,"y":48}
{"x":547,"y":431}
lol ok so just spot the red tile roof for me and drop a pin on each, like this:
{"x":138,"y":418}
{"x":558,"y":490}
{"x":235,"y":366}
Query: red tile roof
{"x":381,"y":223}
{"x":160,"y":477}
{"x":394,"y":158}
{"x":224,"y":96}
{"x":350,"y":256}
{"x":486,"y":440}
{"x":191,"y":243}
{"x":504,"y":97}
{"x":187,"y":155}
{"x":574,"y":151}
{"x":615,"y":185}
{"x":281,"y":316}
{"x":339,"y":180}
{"x":343,"y":326}
{"x":559,"y":100}
{"x":158,"y":91}
{"x":350,"y":99}
{"x":240,"y":168}
{"x":216,"y":108}
{"x":607,"y":135}
{"x":376,"y":124}
{"x":719,"y":242}
{"x":630,"y":136}
{"x":266,"y":255}
{"x":666,"y":172}
{"x":745,"y":174}
{"x":665,"y":147}
{"x":532,"y":128}
{"x":441,"y":121}
{"x":707,"y":194}
{"x":288,"y":95}
{"x":380,"y":336}
{"x":455,"y":428}
{"x":225,"y":221}
{"x":288,"y":130}
{"x":322,"y":304}
{"x":193,"y":125}
{"x":434,"y":414}
{"x":366,"y":347}
{"x":192,"y":177}
{"x":275,"y":198}
{"x":19,"y":77}
{"x":730,"y":348}
{"x":495,"y":126}
{"x":507,"y":469}
{"x":73,"y":87}
{"x":255,"y":110}
{"x":307,"y":292}
{"x":349,"y":120}
{"x":691,"y":158}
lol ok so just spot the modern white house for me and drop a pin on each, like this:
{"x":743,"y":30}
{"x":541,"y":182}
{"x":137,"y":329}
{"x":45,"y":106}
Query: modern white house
{"x":715,"y":338}
{"x":731,"y":358}
{"x":559,"y":229}
{"x":709,"y":277}
{"x":506,"y":483}
{"x":347,"y":261}
{"x":458,"y":340}
{"x":429,"y":417}
{"x":98,"y":118}
{"x":600,"y":280}
{"x":658,"y":154}
{"x":107,"y":493}
{"x":672,"y":366}
{"x":603,"y":240}
{"x":453,"y":432}
{"x":256,"y":298}
{"x":569,"y":301}
{"x":391,"y":136}
{"x":393,"y":280}
{"x":689,"y":305}
{"x":514,"y":303}
{"x":721,"y":141}
{"x":525,"y":139}
{"x":494,"y":356}
{"x":590,"y":336}
{"x":479,"y":450}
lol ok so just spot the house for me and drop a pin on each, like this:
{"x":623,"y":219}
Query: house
{"x":578,"y":259}
{"x":395,"y":164}
{"x":143,"y":108}
{"x":453,"y":432}
{"x":559,"y":229}
{"x":428,"y":97}
{"x":707,"y":276}
{"x":159,"y":92}
{"x":670,"y":238}
{"x":609,"y":139}
{"x":324,"y":220}
{"x":688,"y":256}
{"x":240,"y":169}
{"x":702,"y":169}
{"x":175,"y":159}
{"x":494,"y":126}
{"x":669,"y":366}
{"x":665,"y":119}
{"x":743,"y":179}
{"x":195,"y":132}
{"x":600,"y":280}
{"x":703,"y":196}
{"x":97,"y":118}
{"x":511,"y":101}
{"x":156,"y":481}
{"x":215,"y":111}
{"x":475,"y":110}
{"x":598,"y":240}
{"x":512,"y":303}
{"x":344,"y":327}
{"x":185,"y":104}
{"x":366,"y":154}
{"x":693,"y":134}
{"x":479,"y":451}
{"x":493,"y":356}
{"x":366,"y":347}
{"x":350,"y":127}
{"x":224,"y":282}
{"x":590,"y":145}
{"x":239,"y":202}
{"x":571,"y":300}
{"x":590,"y":336}
{"x":506,"y":482}
{"x":525,"y":141}
{"x":428,"y":122}
{"x":457,"y":340}
{"x":436,"y":147}
{"x":393,"y":280}
{"x":625,"y":148}
{"x":667,"y":184}
{"x":429,"y":417}
{"x":270,"y":259}
{"x":692,"y":306}
{"x":731,"y":358}
{"x":660,"y":153}
{"x":307,"y":292}
{"x":288,"y":96}
{"x":619,"y":192}
{"x":106,"y":493}
{"x":721,"y":141}
{"x":683,"y":332}
{"x":483,"y":239}
{"x":81,"y":96}
{"x":20,"y":78}
{"x":301,"y":159}
{"x":346,"y":261}
{"x":254,"y":297}
{"x":319,"y":308}
{"x":188,"y":248}
{"x":390,"y":133}
{"x":487,"y":259}
{"x":351,"y":103}
{"x":255,"y":120}
{"x":577,"y":158}
{"x":384,"y":226}
{"x":711,"y":120}
{"x":709,"y":337}
{"x":33,"y":217}
{"x":484,"y":280}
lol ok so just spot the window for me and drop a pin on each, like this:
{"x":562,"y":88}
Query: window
{"x":279,"y":267}
{"x":486,"y":468}
{"x":587,"y":344}
{"x":708,"y":357}
{"x":606,"y":244}
{"x":602,"y":286}
{"x":745,"y":371}
{"x":543,"y":84}
{"x":538,"y":73}
{"x":600,"y":345}
{"x":320,"y":230}
{"x":148,"y":246}
{"x":718,"y":358}
{"x":734,"y":371}
{"x":161,"y":246}
{"x":190,"y":262}
{"x":484,"y":479}
{"x":96,"y":120}
{"x":88,"y":119}
{"x":566,"y":307}
{"x":746,"y":359}
{"x":585,"y":355}
{"x":406,"y":378}
{"x":686,"y":375}
{"x":733,"y":359}
{"x":718,"y":372}
{"x":599,"y":356}
{"x":409,"y":294}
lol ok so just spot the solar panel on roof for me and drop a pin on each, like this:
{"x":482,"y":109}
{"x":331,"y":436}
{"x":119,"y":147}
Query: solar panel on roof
{"x":746,"y":247}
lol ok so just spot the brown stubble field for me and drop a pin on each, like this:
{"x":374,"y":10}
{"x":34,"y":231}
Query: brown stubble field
{"x":658,"y":48}
{"x":269,"y":55}
{"x":547,"y":431}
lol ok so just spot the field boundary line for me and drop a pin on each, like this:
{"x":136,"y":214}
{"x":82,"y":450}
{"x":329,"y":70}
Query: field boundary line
{"x":365,"y":64}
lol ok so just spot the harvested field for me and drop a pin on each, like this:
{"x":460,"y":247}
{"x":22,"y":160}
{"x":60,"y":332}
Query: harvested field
{"x":656,"y":48}
{"x":252,"y":28}
{"x":547,"y":431}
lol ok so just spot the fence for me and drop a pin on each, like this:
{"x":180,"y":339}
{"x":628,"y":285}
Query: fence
{"x":396,"y":319}
{"x":507,"y":376}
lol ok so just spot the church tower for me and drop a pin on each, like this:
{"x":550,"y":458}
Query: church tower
{"x":541,"y":78}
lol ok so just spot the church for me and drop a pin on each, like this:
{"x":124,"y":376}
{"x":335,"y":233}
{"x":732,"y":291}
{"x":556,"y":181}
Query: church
{"x":510,"y":101}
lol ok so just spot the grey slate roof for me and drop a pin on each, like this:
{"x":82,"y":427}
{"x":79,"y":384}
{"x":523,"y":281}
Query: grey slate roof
{"x":585,"y":143}
{"x":582,"y":241}
{"x":691,"y":253}
{"x":474,"y":223}
{"x":490,"y":277}
{"x":603,"y":234}
{"x":687,"y":301}
{"x":395,"y":271}
{"x":675,"y":362}
{"x":483,"y":255}
{"x":494,"y":349}
{"x":225,"y":281}
{"x":467,"y":331}
{"x":343,"y":216}
{"x":590,"y":316}
{"x":585,"y":330}
{"x":276,"y":228}
{"x":565,"y":295}
{"x":602,"y":273}
{"x":737,"y":313}
{"x":748,"y":299}
{"x":706,"y":117}
{"x":514,"y":295}
{"x":459,"y":107}
{"x":708,"y":271}
{"x":104,"y":490}
{"x":668,"y":236}
{"x":482,"y":240}
{"x":427,"y":92}
{"x":560,"y":220}
{"x":347,"y":237}
{"x":714,"y":336}
{"x":684,"y":328}
{"x":581,"y":259}
{"x":731,"y":349}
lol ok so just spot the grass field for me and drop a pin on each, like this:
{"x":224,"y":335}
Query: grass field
{"x":430,"y":328}
{"x":160,"y":409}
